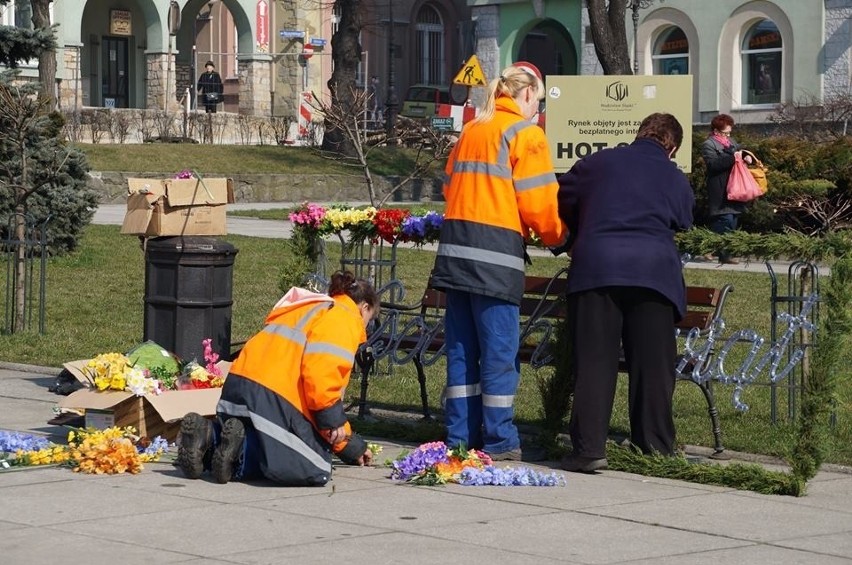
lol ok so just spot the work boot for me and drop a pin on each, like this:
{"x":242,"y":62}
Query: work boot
{"x":196,"y":445}
{"x":229,"y":450}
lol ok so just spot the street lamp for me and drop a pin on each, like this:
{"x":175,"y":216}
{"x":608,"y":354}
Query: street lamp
{"x":636,"y":5}
{"x":392,"y":101}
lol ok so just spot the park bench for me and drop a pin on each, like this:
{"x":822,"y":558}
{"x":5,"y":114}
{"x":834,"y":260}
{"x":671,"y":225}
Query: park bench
{"x":415,"y":333}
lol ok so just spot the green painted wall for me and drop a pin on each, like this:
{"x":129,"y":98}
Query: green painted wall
{"x":511,"y":35}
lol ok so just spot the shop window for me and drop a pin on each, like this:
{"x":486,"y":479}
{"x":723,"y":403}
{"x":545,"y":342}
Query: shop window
{"x":671,"y":53}
{"x":762,"y":63}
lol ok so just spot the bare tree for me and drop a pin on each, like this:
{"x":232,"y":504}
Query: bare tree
{"x":609,"y":33}
{"x":429,"y":145}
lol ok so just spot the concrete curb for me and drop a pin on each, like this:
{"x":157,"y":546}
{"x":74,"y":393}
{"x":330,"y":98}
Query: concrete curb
{"x":36,"y":369}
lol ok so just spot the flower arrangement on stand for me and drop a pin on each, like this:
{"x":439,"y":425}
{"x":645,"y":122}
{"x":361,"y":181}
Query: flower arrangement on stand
{"x":436,"y":464}
{"x":388,"y":224}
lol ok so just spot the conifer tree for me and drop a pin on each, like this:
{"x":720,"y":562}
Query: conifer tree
{"x":41,"y":177}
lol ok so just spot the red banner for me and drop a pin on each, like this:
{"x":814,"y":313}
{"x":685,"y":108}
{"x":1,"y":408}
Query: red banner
{"x":262,"y":20}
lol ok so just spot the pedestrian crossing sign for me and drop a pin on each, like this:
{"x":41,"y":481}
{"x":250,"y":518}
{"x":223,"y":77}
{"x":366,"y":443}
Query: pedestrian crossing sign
{"x":471,"y":74}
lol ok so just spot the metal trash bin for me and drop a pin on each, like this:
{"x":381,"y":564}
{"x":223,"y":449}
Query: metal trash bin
{"x":189,"y":294}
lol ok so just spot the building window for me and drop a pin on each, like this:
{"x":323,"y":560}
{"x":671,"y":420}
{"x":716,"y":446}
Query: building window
{"x":429,"y":46}
{"x":23,"y":15}
{"x":671,"y":53}
{"x":17,"y":13}
{"x":762,"y":59}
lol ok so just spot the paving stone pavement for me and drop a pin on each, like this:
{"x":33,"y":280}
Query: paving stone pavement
{"x":52,"y":515}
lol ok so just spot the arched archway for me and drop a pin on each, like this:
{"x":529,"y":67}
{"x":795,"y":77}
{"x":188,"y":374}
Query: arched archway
{"x":548,"y":45}
{"x":112,"y":61}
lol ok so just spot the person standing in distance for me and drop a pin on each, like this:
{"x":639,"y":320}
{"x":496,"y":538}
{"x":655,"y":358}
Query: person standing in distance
{"x":499,"y":184}
{"x":719,"y":151}
{"x":210,"y":87}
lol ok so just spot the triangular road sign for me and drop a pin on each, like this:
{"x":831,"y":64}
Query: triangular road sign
{"x":471,"y":74}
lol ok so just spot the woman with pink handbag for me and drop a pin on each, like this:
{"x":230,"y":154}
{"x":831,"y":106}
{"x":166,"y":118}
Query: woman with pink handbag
{"x":719,"y":151}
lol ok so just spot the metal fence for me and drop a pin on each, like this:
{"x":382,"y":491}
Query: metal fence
{"x":26,"y":273}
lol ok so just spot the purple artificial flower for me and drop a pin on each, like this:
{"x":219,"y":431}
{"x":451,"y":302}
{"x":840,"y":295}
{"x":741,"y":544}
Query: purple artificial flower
{"x":420,"y":460}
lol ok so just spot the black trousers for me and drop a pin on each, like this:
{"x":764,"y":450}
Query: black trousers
{"x":643,"y":321}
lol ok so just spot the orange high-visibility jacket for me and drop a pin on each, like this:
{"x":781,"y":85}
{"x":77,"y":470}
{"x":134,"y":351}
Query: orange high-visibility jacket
{"x":499,"y":184}
{"x":289,"y":380}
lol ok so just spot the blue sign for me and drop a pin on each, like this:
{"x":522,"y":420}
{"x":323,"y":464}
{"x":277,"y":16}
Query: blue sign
{"x":291,"y":33}
{"x":317,"y":42}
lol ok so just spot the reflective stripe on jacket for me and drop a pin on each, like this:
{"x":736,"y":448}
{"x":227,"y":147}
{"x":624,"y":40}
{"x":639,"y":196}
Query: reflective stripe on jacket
{"x":289,"y":380}
{"x":499,"y":184}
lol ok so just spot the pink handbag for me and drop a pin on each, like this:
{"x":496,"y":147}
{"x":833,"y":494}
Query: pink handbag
{"x":741,"y":184}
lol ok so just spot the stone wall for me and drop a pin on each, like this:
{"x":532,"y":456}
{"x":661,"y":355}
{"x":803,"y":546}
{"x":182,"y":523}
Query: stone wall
{"x":287,"y":189}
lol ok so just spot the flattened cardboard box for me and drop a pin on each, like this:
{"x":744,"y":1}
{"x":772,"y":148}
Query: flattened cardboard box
{"x":172,"y":207}
{"x":151,"y":415}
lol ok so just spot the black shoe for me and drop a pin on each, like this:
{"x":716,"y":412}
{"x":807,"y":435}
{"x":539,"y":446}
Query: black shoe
{"x":511,"y":455}
{"x":229,"y":450}
{"x":533,"y":454}
{"x":728,"y":261}
{"x":580,"y":464}
{"x":196,"y":444}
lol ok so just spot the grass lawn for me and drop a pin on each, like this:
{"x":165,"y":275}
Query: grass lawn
{"x":95,"y":304}
{"x":239,"y":159}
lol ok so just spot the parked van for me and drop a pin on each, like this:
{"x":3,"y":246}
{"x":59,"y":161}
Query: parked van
{"x":421,"y":100}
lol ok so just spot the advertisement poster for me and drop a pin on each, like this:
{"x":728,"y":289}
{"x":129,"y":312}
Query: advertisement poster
{"x":589,"y":113}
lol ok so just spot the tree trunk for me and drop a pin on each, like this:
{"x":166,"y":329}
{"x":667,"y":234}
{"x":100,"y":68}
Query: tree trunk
{"x":19,"y":318}
{"x":609,"y":35}
{"x":47,"y":58}
{"x":346,"y":54}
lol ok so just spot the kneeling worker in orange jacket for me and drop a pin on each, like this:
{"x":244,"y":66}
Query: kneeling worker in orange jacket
{"x":281,"y":410}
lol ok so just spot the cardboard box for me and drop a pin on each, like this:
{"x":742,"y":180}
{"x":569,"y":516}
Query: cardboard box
{"x":151,"y":415}
{"x":173,"y":207}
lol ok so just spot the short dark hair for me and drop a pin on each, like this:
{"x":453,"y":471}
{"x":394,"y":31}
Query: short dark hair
{"x":719,"y":122}
{"x":663,"y":128}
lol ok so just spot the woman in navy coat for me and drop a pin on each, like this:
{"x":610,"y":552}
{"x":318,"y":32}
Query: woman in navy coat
{"x":622,"y":207}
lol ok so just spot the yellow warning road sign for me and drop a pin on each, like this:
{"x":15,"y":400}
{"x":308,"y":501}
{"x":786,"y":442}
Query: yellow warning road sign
{"x":471,"y":74}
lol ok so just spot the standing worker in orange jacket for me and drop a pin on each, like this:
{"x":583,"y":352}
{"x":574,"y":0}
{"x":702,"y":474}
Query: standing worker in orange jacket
{"x":281,"y":408}
{"x":499,"y":184}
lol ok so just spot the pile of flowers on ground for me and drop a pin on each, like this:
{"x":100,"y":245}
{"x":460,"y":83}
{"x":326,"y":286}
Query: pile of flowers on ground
{"x":435,"y":464}
{"x":110,"y":451}
{"x":368,"y":223}
{"x":116,"y":371}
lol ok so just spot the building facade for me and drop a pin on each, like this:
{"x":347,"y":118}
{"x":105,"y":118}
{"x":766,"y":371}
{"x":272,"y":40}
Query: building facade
{"x":746,"y":56}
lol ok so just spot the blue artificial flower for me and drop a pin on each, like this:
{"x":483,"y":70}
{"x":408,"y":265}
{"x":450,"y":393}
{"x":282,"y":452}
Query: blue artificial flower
{"x":510,"y":476}
{"x":158,"y":445}
{"x":10,"y":442}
